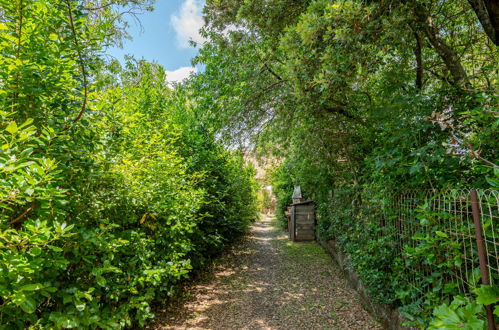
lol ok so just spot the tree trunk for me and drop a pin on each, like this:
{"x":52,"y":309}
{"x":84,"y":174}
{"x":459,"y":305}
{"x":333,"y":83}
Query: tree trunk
{"x":446,"y":53}
{"x":419,"y":61}
{"x":487,"y":12}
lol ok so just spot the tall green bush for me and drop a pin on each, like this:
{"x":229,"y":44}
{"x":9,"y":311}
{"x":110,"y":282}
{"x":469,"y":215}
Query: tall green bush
{"x":111,"y":190}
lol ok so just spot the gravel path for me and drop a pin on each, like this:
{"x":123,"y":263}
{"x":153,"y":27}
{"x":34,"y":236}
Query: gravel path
{"x":268,"y":282}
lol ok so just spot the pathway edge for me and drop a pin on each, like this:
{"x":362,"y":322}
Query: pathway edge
{"x":388,"y":316}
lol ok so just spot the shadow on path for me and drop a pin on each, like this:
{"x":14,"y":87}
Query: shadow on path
{"x":268,"y":282}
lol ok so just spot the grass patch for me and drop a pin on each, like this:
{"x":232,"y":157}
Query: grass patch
{"x":305,"y":252}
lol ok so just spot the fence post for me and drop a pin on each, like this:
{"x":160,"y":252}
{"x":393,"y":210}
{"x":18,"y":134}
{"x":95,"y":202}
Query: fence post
{"x":481,"y":252}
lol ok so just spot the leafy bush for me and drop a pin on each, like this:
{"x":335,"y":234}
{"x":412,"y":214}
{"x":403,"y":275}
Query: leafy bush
{"x":111,"y":190}
{"x":415,"y":267}
{"x":283,"y":189}
{"x":460,"y":314}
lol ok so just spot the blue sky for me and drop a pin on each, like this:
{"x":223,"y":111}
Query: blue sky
{"x":164,"y":36}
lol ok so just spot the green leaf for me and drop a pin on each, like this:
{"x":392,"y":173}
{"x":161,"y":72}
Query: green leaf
{"x":35,"y":251}
{"x":28,"y":121}
{"x":441,"y":234}
{"x":492,"y":181}
{"x":66,"y":298}
{"x":12,"y":127}
{"x":101,"y":280}
{"x":80,"y":306}
{"x":53,"y":36}
{"x":28,"y":305}
{"x":67,"y":322}
{"x":26,"y":152}
{"x":31,"y":287}
{"x":475,"y":276}
{"x":54,"y":248}
{"x":487,"y":294}
{"x":445,"y":313}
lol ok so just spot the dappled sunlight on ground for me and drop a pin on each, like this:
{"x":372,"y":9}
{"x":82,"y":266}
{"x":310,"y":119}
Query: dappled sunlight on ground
{"x":267,"y":282}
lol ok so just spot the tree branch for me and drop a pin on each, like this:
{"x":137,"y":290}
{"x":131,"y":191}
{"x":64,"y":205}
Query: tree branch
{"x":20,"y":217}
{"x":419,"y":61}
{"x":272,"y":72}
{"x":340,"y":110}
{"x":82,"y":67}
{"x":15,"y":94}
{"x":487,"y":12}
{"x":446,"y":53}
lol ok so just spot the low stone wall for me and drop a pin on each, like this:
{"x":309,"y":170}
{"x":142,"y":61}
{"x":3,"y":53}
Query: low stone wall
{"x":388,"y":316}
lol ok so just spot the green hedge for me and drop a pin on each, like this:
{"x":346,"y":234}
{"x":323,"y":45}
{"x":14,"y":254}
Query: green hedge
{"x":109,"y":200}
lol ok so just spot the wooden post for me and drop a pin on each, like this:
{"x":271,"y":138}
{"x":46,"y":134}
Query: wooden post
{"x":482,"y":258}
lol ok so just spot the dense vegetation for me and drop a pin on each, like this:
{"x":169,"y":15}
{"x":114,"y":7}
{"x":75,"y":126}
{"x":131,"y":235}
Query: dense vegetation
{"x":114,"y":186}
{"x":111,"y":188}
{"x":363,"y":100}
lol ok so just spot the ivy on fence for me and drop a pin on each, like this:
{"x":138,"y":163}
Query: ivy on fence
{"x":418,"y":249}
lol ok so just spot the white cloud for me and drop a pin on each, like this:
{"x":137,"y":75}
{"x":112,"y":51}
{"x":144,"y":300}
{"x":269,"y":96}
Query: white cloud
{"x":188,"y":22}
{"x":180,"y":74}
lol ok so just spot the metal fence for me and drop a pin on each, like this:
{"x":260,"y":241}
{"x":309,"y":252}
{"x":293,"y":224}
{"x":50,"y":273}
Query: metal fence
{"x":458,"y":228}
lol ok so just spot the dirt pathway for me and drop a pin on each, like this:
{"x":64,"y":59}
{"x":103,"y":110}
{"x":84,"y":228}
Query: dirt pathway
{"x":268,"y":282}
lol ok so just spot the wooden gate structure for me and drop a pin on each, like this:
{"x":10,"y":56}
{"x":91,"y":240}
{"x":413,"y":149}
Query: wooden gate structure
{"x":301,"y":222}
